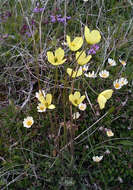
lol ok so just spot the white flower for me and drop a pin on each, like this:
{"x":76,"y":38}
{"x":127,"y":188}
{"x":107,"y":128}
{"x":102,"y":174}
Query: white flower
{"x":111,"y":62}
{"x":85,"y":0}
{"x":28,"y":122}
{"x":104,"y":74}
{"x":107,"y":151}
{"x":122,"y":62}
{"x":91,"y":75}
{"x":85,"y":68}
{"x":109,"y":133}
{"x":82,"y":106}
{"x":76,"y":115}
{"x":64,"y":43}
{"x":117,"y":84}
{"x":97,"y":158}
{"x":40,"y":94}
{"x":41,"y":108}
{"x":123,"y":81}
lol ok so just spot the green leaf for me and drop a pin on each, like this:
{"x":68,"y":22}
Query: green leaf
{"x":126,"y":143}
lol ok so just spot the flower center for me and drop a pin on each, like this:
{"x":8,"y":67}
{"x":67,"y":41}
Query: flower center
{"x":73,"y":44}
{"x":117,"y":85}
{"x":104,"y":75}
{"x":46,"y":104}
{"x":82,"y":107}
{"x":76,"y":101}
{"x":41,"y":108}
{"x":29,"y":123}
{"x":55,"y":59}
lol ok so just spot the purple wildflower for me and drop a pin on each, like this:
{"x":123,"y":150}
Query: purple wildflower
{"x":33,"y":22}
{"x":94,"y":49}
{"x":91,"y":51}
{"x":53,"y":19}
{"x":60,"y":19}
{"x":28,"y":34}
{"x":37,"y":10}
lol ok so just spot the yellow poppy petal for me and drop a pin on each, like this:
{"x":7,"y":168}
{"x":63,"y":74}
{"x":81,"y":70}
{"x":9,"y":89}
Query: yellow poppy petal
{"x":52,"y":106}
{"x":51,"y":57}
{"x":92,"y":37}
{"x":49,"y":98}
{"x":77,"y":43}
{"x":107,"y":93}
{"x":79,"y":73}
{"x":82,"y":59}
{"x":101,"y":101}
{"x":72,"y":99}
{"x":68,"y":40}
{"x":59,"y":53}
{"x":81,"y":99}
{"x":77,"y":95}
{"x":42,"y":99}
{"x":69,"y":71}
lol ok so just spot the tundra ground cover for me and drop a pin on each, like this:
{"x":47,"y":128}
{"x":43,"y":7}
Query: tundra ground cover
{"x":53,"y":150}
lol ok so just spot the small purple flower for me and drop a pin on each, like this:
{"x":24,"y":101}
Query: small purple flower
{"x":91,"y":51}
{"x":63,"y":20}
{"x":60,"y":19}
{"x":37,"y":10}
{"x":53,"y":19}
{"x":33,"y":22}
{"x":94,"y":49}
{"x":28,"y":34}
{"x":68,"y":17}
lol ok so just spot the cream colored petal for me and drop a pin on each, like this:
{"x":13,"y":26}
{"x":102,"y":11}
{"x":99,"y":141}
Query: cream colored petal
{"x":68,"y":40}
{"x":87,"y":33}
{"x":81,"y":99}
{"x":107,"y":93}
{"x":59,"y":53}
{"x":69,"y":71}
{"x":77,"y":95}
{"x":49,"y":98}
{"x":101,"y":101}
{"x":92,"y":37}
{"x":72,"y":99}
{"x":78,"y":42}
{"x":79,"y":73}
{"x":60,"y":62}
{"x":51,"y":57}
{"x":52,"y":106}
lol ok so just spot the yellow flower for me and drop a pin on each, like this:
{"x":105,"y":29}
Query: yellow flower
{"x":103,"y":97}
{"x":82,"y":59}
{"x":40,"y":95}
{"x":74,"y":74}
{"x":47,"y":102}
{"x":92,"y":37}
{"x":57,"y":58}
{"x":75,"y":44}
{"x":28,"y":122}
{"x":76,"y":98}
